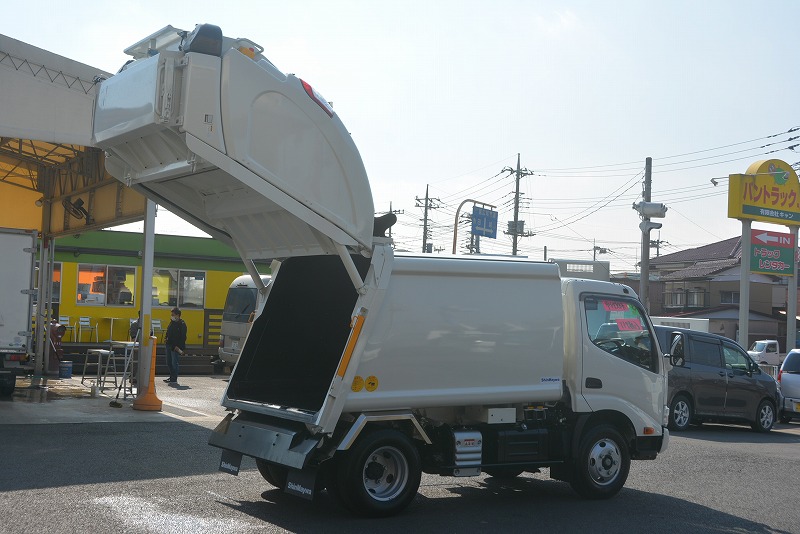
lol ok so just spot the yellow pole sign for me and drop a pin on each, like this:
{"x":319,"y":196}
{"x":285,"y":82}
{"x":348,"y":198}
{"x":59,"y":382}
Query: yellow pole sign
{"x":769,"y":192}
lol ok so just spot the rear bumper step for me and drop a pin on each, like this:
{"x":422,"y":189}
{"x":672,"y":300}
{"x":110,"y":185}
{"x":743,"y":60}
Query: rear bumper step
{"x":285,"y":446}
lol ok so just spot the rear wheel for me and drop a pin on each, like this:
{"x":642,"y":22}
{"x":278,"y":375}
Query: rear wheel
{"x":765,"y":417}
{"x":680,"y":413}
{"x":272,"y":473}
{"x":380,"y":475}
{"x":602,"y":464}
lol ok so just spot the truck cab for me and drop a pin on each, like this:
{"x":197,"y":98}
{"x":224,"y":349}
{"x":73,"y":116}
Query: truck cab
{"x":766,"y":352}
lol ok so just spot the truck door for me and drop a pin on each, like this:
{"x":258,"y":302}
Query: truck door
{"x":620,"y":356}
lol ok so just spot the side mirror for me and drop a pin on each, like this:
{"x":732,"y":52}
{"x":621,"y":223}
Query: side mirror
{"x":675,"y":359}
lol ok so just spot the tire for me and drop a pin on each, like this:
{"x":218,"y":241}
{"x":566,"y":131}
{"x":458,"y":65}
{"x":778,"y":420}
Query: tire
{"x":602,"y":465}
{"x":380,"y":475}
{"x":7,"y":385}
{"x":680,"y":413}
{"x":272,"y":473}
{"x":765,"y":417}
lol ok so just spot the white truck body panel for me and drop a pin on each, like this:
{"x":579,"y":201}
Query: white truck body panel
{"x":18,"y":252}
{"x":475,"y":340}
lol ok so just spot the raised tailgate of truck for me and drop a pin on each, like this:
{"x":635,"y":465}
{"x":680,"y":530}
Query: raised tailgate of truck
{"x":237,"y":148}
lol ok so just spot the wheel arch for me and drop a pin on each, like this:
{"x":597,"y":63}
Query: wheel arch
{"x":365,"y":422}
{"x":617,"y":420}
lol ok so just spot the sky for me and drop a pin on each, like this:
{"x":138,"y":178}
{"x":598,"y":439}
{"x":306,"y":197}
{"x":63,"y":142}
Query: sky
{"x":445,"y":94}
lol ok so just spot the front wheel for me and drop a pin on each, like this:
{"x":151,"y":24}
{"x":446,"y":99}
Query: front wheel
{"x":765,"y":417}
{"x":602,"y":464}
{"x":680,"y":413}
{"x":380,"y":475}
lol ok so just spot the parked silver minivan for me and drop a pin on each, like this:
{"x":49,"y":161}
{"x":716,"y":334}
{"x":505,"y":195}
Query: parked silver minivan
{"x":789,"y":379}
{"x":242,"y":304}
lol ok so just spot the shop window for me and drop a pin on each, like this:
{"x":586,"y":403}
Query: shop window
{"x":176,"y":287}
{"x":105,"y":285}
{"x":91,"y":284}
{"x":192,"y":289}
{"x":119,"y":288}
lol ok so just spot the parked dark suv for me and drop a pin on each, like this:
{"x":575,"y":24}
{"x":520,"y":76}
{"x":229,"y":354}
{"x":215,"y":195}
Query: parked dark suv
{"x":716,"y":381}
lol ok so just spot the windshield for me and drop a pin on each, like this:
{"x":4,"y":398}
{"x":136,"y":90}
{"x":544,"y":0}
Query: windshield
{"x":758,"y":346}
{"x":239,"y":304}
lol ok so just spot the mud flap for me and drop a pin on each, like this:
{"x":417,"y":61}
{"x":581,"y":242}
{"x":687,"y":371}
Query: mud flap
{"x":302,"y":483}
{"x":230,"y":462}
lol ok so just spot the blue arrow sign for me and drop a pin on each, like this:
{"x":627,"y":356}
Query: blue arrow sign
{"x":484,"y":222}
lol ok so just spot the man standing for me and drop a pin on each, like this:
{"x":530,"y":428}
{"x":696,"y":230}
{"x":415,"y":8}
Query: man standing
{"x":175,"y":341}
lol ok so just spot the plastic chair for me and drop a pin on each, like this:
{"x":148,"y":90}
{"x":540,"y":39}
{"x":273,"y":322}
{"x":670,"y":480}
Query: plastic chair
{"x":85,"y":323}
{"x":68,"y":327}
{"x":156,"y":327}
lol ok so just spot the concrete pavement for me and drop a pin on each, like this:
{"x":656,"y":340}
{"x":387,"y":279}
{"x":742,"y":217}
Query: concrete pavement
{"x":57,"y":400}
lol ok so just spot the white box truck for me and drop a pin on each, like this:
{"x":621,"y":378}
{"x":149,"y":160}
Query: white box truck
{"x":366,"y":368}
{"x":16,"y":290}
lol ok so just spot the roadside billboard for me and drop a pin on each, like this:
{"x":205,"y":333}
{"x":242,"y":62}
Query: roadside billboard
{"x":769,"y":192}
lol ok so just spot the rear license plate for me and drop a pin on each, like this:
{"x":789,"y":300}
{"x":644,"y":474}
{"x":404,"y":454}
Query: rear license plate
{"x":797,"y":406}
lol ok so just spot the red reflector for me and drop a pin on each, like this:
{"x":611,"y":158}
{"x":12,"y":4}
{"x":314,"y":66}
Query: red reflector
{"x":316,"y":97}
{"x":15,"y":357}
{"x":779,"y":375}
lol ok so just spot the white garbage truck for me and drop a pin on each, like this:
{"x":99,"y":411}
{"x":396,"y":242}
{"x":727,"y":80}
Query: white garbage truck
{"x":367,"y":368}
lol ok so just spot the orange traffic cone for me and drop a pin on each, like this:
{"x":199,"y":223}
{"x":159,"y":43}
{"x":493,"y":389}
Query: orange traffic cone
{"x":148,"y":400}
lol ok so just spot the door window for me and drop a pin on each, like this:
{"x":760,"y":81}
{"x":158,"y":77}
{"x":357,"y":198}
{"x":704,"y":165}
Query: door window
{"x":735,"y":359}
{"x":619,"y":327}
{"x":705,"y":353}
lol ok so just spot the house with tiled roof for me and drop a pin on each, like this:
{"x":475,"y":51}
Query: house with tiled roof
{"x":703,"y":282}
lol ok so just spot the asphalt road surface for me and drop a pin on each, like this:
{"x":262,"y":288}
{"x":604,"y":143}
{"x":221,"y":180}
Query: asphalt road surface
{"x":71,"y":463}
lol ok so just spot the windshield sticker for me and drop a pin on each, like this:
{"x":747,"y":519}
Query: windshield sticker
{"x":629,"y":324}
{"x":615,"y":306}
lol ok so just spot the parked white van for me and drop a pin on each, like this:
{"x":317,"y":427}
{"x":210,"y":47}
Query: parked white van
{"x":242,"y":305}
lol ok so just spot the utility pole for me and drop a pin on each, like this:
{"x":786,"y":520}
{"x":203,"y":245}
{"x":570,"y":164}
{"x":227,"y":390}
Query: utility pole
{"x":516,"y":232}
{"x":646,"y":210}
{"x":656,"y":243}
{"x":429,"y":203}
